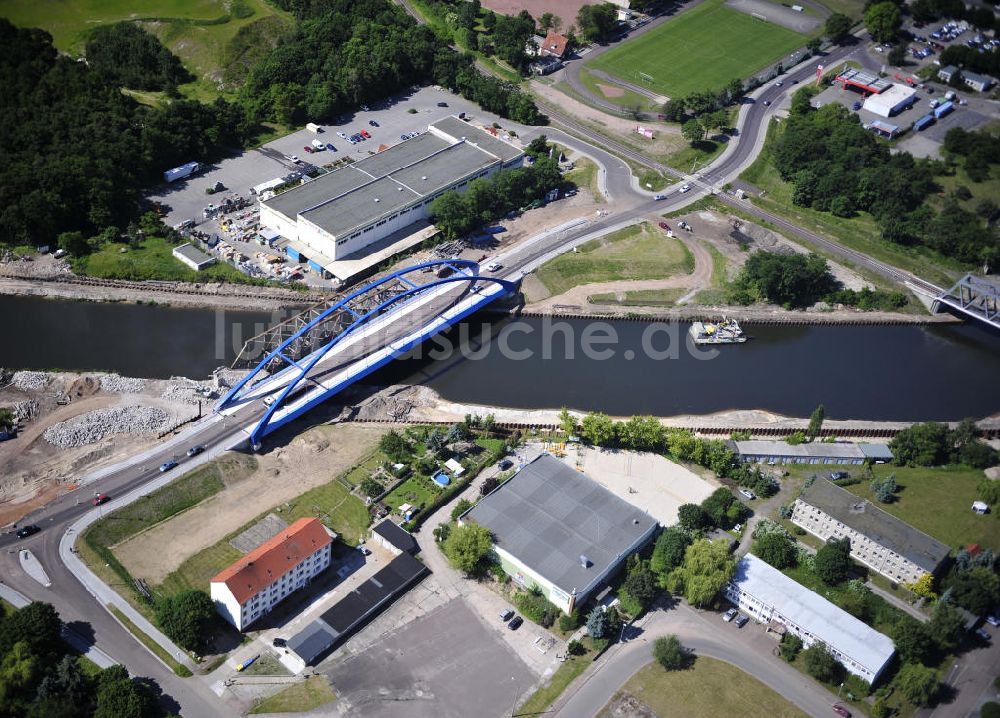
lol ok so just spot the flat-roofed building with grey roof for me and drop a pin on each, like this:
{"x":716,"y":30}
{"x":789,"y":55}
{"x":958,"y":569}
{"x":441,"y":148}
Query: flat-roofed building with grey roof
{"x":193,"y":257}
{"x":344,"y":211}
{"x":558,"y":529}
{"x":771,"y":597}
{"x":879,"y":540}
{"x":816,"y":452}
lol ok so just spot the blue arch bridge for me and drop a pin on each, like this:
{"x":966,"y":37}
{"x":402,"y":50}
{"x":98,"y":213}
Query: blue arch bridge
{"x":359,"y":334}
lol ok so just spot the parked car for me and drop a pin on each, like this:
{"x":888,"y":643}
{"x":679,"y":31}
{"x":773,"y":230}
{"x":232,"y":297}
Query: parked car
{"x":167,"y":466}
{"x":742,"y":620}
{"x":983,"y":633}
{"x":856,"y":106}
{"x":442,"y":104}
{"x":993,"y":620}
{"x":195,"y":450}
{"x":364,"y":133}
{"x":373,"y":123}
{"x":506,"y":615}
{"x":665,"y":227}
{"x":309,"y":150}
{"x":365,"y":551}
{"x":26,"y":531}
{"x":505,"y":464}
{"x":747,"y":493}
{"x":100,"y":499}
{"x":364,"y":108}
{"x":278,"y":642}
{"x":515,"y":623}
{"x":342,"y":135}
{"x":840,"y":710}
{"x":331,"y":147}
{"x":839,"y":475}
{"x":404,"y":137}
{"x":729,"y":615}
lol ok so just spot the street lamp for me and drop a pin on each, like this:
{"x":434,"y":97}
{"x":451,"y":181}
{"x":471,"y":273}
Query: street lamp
{"x":839,"y":690}
{"x":517,"y":693}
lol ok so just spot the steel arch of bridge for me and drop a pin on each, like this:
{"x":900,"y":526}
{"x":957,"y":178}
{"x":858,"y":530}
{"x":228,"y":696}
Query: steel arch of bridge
{"x":371,"y":301}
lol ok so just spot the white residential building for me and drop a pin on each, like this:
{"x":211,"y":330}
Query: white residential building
{"x":879,"y":540}
{"x":255,"y":584}
{"x":769,"y":596}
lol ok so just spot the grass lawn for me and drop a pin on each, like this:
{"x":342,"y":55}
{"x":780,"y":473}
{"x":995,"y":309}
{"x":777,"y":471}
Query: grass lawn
{"x":636,"y":252}
{"x":861,"y":232}
{"x":584,"y":176}
{"x":311,"y":693}
{"x":710,"y":688}
{"x":989,"y":189}
{"x":628,"y":99}
{"x":567,"y":672}
{"x":641,"y":298}
{"x":179,"y":668}
{"x":153,"y":260}
{"x":196,"y":571}
{"x":365,"y":469}
{"x":416,"y":491}
{"x":203,"y":33}
{"x":852,"y":8}
{"x":701,"y":49}
{"x":267,"y":665}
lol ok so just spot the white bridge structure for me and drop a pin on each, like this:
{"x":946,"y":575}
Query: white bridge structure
{"x":977,"y":297}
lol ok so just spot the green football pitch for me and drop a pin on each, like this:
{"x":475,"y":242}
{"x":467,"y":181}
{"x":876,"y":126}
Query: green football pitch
{"x":701,"y":49}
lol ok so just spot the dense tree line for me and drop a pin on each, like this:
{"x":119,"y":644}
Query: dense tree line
{"x":972,"y":59}
{"x":934,"y":444}
{"x":704,"y":103}
{"x":837,"y":166}
{"x":76,"y":150}
{"x":486,"y":199}
{"x":597,"y":23}
{"x":41,"y":678}
{"x":127,"y":55}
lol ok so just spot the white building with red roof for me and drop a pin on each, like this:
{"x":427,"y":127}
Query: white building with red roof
{"x":255,"y":584}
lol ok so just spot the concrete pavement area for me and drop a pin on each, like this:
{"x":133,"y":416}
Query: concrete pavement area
{"x":444,"y":665}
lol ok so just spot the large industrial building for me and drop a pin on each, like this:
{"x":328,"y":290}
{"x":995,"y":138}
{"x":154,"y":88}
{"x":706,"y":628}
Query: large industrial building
{"x":879,"y":540}
{"x":351,"y":208}
{"x":557,"y":529}
{"x":891,"y":101}
{"x":771,"y":597}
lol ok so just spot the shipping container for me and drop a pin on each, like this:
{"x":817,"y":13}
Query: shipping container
{"x":943,"y":110}
{"x":180,"y":172}
{"x":923,"y":123}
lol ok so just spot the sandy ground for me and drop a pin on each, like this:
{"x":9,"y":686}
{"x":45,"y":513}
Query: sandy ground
{"x":655,"y":484}
{"x":565,"y":10}
{"x":709,"y":227}
{"x":33,"y":471}
{"x":312,"y":458}
{"x":609,"y":91}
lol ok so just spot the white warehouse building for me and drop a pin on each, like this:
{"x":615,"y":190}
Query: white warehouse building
{"x":347,"y":210}
{"x":891,"y":101}
{"x":769,"y":596}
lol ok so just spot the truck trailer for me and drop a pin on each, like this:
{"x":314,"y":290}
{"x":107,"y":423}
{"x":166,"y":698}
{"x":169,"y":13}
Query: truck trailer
{"x":923,"y":123}
{"x":181,"y":172}
{"x":944,"y":109}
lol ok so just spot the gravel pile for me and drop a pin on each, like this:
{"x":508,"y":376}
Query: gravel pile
{"x":121,"y":384}
{"x":31,"y":380}
{"x":187,"y":392}
{"x":97,"y":425}
{"x":25,"y":410}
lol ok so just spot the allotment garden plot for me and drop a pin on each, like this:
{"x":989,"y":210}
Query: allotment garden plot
{"x":702,"y":49}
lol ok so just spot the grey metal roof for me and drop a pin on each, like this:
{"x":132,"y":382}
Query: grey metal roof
{"x":312,"y":641}
{"x":782,"y":448}
{"x":880,"y":452}
{"x":396,"y":535}
{"x":361,"y":206}
{"x":494,"y":145}
{"x":884,"y":528}
{"x":827,"y":622}
{"x":194,"y":254}
{"x":548,"y":516}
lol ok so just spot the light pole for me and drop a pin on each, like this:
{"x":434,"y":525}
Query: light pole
{"x":839,"y":690}
{"x":517,"y":693}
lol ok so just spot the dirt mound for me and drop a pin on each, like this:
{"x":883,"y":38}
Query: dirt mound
{"x":626,"y":705}
{"x":84,"y":386}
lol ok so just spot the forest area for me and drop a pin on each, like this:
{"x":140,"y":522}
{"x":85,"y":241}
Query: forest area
{"x":79,"y":151}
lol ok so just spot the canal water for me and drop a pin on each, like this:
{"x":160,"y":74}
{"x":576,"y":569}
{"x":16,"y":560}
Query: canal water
{"x":622,"y":368}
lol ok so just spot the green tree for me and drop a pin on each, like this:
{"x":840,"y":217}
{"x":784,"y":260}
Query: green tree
{"x":19,"y":670}
{"x":838,"y":26}
{"x":912,"y":639}
{"x":926,"y":444}
{"x":897,"y":54}
{"x":638,"y":589}
{"x":668,"y":552}
{"x":461,"y":507}
{"x":777,"y":549}
{"x":820,"y":663}
{"x":641,"y":433}
{"x":467,"y":546}
{"x":883,"y":20}
{"x":395,"y":446}
{"x":833,"y":561}
{"x":693,"y":131}
{"x":119,"y":697}
{"x":598,"y":623}
{"x":707,"y":568}
{"x":885,"y":489}
{"x":186,"y":617}
{"x":918,"y":683}
{"x":567,"y":422}
{"x":990,"y":709}
{"x":38,"y":625}
{"x":816,"y":421}
{"x":596,"y":22}
{"x":670,"y":653}
{"x":74,"y":243}
{"x":977,"y":590}
{"x":946,"y":628}
{"x":790,"y":646}
{"x":597,"y":428}
{"x":691,"y":517}
{"x":370,"y":487}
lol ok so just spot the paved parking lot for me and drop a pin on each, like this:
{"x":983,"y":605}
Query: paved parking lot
{"x":444,"y":664}
{"x":185,"y":199}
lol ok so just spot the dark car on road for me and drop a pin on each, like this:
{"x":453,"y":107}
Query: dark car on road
{"x":167,"y":466}
{"x":100,"y":499}
{"x":742,"y":620}
{"x":195,"y":450}
{"x":515,"y":623}
{"x":279,"y":642}
{"x":26,"y":531}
